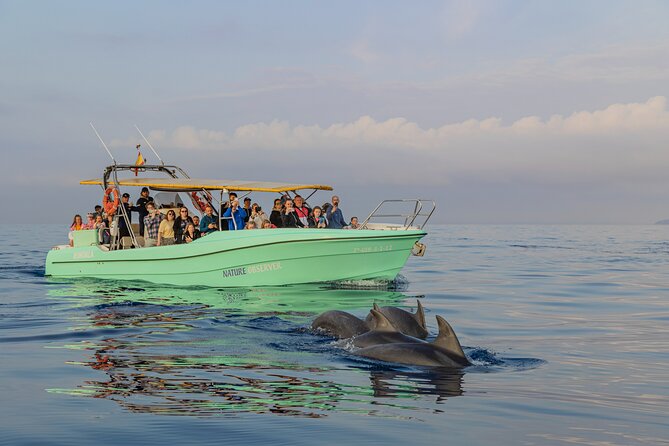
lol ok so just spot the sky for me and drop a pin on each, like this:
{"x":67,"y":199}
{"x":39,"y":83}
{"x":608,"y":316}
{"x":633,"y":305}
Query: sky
{"x":500,"y":111}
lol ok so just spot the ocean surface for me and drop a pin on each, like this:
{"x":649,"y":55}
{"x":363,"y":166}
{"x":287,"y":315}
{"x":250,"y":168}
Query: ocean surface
{"x":567,"y":327}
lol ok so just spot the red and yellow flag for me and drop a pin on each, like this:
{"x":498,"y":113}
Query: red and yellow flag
{"x":140,"y":159}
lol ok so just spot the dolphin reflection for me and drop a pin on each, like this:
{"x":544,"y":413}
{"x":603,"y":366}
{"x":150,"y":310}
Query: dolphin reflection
{"x":197,"y":360}
{"x":442,"y":383}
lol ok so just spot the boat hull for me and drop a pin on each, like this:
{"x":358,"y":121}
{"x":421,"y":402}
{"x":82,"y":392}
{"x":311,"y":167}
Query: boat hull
{"x":248,"y":258}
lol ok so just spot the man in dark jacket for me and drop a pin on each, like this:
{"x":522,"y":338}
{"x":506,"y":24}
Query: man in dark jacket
{"x":122,"y":226}
{"x":141,"y":208}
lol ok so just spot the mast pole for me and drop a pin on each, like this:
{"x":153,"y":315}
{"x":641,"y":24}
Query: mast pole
{"x":150,"y":146}
{"x":103,"y":143}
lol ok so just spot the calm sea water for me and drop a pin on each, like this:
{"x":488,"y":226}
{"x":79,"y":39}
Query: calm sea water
{"x":568,"y":327}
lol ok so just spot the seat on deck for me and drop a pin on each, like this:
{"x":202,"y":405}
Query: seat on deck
{"x":126,"y":242}
{"x":86,"y":237}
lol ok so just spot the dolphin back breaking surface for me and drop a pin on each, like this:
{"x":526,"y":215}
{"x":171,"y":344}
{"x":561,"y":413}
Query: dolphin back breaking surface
{"x":340,"y":324}
{"x":412,"y":324}
{"x":445,"y":351}
{"x":384,"y":332}
{"x":391,"y":334}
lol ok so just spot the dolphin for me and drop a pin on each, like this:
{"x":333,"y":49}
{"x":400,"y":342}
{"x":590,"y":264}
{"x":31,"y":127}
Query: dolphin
{"x":384,"y":332}
{"x":340,"y":324}
{"x":412,"y":324}
{"x":444,"y":351}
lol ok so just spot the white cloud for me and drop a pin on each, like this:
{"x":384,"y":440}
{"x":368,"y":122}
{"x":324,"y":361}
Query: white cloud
{"x":400,"y":133}
{"x":629,"y":140}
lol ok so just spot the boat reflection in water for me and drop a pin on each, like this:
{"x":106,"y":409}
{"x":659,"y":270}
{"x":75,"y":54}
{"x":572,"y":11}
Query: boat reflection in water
{"x":209,"y":352}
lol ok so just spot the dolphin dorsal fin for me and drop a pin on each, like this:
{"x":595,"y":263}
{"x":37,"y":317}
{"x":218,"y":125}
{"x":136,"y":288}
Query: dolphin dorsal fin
{"x":419,"y":315}
{"x":381,"y":322}
{"x":447,"y":338}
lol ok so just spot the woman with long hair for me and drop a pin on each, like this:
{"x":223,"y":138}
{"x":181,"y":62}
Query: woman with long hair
{"x":77,"y":225}
{"x":190,"y":234}
{"x":275,"y":216}
{"x":180,"y":223}
{"x":317,"y":219}
{"x":290,"y":218}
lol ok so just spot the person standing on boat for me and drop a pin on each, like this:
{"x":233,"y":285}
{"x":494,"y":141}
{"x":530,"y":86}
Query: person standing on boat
{"x":258,"y":215}
{"x":141,"y":208}
{"x":209,"y":222}
{"x":235,"y":216}
{"x":247,"y":209}
{"x":123,"y":229}
{"x":225,"y":206}
{"x":334,"y":215}
{"x":151,"y":224}
{"x":166,"y":230}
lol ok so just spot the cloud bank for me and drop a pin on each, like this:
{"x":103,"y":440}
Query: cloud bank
{"x":623,"y":141}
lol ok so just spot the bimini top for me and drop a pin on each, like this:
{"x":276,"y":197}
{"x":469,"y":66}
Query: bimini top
{"x":196,"y":184}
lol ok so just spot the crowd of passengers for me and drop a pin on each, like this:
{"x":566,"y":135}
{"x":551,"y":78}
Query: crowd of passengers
{"x":160,"y":229}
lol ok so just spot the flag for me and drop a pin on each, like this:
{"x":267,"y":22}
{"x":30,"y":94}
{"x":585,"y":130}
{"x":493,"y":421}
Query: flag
{"x":140,"y":159}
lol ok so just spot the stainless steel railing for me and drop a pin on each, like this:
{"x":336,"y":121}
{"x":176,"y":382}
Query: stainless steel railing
{"x":414,"y":217}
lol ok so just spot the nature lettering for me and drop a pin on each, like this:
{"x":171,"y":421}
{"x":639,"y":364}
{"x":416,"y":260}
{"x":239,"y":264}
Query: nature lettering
{"x":232,"y":272}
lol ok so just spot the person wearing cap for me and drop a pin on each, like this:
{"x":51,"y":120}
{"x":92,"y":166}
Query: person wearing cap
{"x":129,"y":209}
{"x":141,"y":208}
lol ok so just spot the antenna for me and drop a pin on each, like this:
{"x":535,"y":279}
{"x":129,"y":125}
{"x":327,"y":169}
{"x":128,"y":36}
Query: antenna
{"x":150,"y":146}
{"x":103,"y":143}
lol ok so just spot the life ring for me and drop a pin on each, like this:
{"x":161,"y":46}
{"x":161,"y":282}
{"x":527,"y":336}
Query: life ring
{"x":110,"y":206}
{"x":198,"y":202}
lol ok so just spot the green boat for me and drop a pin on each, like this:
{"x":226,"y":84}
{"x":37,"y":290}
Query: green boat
{"x":244,"y":258}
